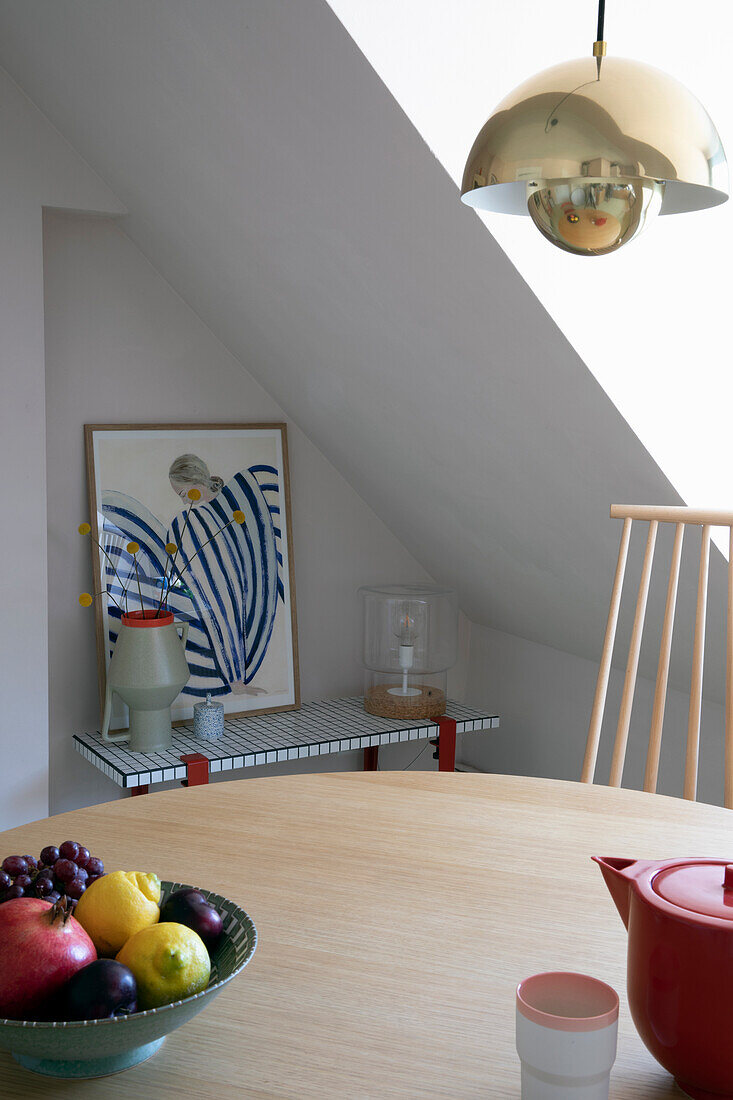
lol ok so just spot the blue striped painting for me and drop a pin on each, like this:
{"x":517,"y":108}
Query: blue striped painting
{"x":228,"y":593}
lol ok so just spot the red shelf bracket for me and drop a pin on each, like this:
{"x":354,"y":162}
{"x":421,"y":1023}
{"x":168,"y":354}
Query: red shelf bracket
{"x":446,"y":743}
{"x":197,"y":769}
{"x":371,"y":758}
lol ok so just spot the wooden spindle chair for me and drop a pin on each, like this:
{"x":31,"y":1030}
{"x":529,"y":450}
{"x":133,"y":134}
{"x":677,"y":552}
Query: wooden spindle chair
{"x":681,"y":517}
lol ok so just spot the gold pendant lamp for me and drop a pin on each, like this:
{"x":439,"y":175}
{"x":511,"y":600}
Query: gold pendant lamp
{"x":594,"y":149}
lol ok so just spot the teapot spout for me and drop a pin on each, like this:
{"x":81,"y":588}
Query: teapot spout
{"x":618,"y":877}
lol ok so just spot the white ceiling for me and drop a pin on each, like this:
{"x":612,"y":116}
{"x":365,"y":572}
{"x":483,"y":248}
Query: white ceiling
{"x":281,"y":190}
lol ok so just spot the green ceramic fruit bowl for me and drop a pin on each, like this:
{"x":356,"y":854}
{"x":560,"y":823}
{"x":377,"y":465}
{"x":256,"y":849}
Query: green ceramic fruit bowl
{"x":96,"y":1048}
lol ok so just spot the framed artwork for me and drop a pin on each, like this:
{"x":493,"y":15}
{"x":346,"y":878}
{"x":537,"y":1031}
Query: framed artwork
{"x":209,"y":508}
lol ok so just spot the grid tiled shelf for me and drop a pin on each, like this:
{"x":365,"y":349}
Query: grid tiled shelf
{"x":319,"y":728}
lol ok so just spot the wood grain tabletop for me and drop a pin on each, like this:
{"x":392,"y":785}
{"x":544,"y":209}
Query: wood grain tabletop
{"x":396,"y":913}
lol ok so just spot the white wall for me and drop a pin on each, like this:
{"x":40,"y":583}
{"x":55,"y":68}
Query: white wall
{"x":350,"y":303}
{"x":544,"y":697}
{"x":278,"y":186}
{"x":39,"y":169}
{"x":122,"y":346}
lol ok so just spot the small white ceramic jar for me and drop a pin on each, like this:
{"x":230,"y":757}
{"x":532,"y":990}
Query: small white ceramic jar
{"x":567,"y":1026}
{"x":208,"y":720}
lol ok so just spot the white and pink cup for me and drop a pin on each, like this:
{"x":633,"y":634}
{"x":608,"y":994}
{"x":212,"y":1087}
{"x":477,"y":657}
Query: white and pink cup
{"x":567,"y":1026}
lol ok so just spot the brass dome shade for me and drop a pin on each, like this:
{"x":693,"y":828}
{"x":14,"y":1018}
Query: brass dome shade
{"x":592,"y":150}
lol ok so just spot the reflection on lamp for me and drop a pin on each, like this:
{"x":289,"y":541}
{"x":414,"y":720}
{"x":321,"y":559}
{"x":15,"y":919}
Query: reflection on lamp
{"x":594,"y":216}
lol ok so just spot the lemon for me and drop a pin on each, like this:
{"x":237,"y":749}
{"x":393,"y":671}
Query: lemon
{"x":169,"y":962}
{"x":117,"y":906}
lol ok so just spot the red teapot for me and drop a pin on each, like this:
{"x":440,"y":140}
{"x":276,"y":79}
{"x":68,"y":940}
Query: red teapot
{"x":679,"y":916}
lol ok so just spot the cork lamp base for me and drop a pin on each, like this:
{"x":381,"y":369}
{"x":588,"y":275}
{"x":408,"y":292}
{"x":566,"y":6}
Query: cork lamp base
{"x":428,"y":702}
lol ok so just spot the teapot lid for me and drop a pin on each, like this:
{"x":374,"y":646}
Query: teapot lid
{"x":701,"y":887}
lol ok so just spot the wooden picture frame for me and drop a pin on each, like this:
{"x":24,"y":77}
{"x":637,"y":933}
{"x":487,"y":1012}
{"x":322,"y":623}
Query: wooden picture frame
{"x":132,"y":484}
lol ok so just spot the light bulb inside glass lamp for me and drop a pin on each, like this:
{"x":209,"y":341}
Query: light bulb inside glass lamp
{"x":405,"y":629}
{"x":590,"y":217}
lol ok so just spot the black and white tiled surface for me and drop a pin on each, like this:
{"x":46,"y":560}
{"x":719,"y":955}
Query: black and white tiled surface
{"x":319,"y":728}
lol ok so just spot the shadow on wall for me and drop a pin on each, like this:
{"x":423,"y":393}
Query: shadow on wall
{"x":544,"y":697}
{"x":20,"y":799}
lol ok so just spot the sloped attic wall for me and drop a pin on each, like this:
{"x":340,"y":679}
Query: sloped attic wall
{"x":120,"y":343}
{"x":276,"y":184}
{"x":122,"y":346}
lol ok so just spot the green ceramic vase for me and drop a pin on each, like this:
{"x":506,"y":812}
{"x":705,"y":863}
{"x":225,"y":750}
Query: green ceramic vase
{"x":148,"y":670}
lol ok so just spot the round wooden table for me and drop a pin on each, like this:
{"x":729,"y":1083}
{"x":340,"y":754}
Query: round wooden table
{"x":396,"y":914}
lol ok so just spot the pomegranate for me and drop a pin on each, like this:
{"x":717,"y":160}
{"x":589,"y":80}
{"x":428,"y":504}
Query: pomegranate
{"x":41,"y":946}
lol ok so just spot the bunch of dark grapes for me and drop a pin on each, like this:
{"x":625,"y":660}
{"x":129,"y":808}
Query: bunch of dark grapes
{"x":67,"y":870}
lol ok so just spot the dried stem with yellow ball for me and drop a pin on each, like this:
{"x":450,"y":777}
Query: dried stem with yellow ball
{"x":86,"y":599}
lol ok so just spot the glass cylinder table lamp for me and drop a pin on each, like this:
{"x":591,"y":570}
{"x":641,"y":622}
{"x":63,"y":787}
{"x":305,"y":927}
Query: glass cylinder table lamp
{"x":410,"y":642}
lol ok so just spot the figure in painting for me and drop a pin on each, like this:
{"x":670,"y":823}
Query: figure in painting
{"x":227,"y":588}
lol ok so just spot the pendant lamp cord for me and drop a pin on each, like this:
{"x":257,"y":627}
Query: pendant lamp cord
{"x":599,"y":52}
{"x":599,"y":46}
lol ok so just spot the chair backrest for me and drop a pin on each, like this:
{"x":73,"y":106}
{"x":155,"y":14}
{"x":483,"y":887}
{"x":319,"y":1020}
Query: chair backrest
{"x":681,"y":517}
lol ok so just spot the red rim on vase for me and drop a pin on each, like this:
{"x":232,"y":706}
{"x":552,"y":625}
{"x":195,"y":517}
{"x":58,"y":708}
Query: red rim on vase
{"x":147,"y":618}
